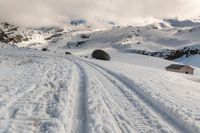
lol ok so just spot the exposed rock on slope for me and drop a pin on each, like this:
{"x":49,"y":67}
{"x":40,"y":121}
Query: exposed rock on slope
{"x":8,"y":34}
{"x":170,"y":54}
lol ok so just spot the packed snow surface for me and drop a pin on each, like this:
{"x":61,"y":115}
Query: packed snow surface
{"x":44,"y":92}
{"x":52,"y":92}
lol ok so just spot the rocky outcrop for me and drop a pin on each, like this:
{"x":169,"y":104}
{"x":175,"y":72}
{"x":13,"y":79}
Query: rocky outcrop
{"x":9,"y":34}
{"x":54,"y":36}
{"x":170,"y":54}
{"x":6,"y":38}
{"x":85,"y":36}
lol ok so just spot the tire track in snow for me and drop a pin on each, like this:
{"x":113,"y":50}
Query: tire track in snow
{"x":164,"y":114}
{"x":128,"y":116}
{"x":129,"y":113}
{"x":120,"y":121}
{"x":102,"y":117}
{"x":79,"y":124}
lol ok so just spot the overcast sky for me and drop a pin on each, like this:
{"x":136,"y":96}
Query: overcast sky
{"x":50,"y":12}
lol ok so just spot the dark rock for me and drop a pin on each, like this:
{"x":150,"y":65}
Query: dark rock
{"x":155,"y":27}
{"x":100,"y":54}
{"x":54,"y":36}
{"x":190,"y":30}
{"x":17,"y":38}
{"x":7,"y":38}
{"x":68,"y":53}
{"x":129,"y":36}
{"x":84,"y":36}
{"x":25,"y":39}
{"x":78,"y":22}
{"x":14,"y":29}
{"x":45,"y":49}
{"x":80,"y":43}
{"x":3,"y":37}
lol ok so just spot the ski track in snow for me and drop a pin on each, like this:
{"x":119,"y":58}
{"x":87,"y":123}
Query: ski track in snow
{"x":57,"y":94}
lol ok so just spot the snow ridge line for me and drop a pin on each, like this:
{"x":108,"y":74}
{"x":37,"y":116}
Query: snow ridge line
{"x":157,"y":107}
{"x":80,"y":124}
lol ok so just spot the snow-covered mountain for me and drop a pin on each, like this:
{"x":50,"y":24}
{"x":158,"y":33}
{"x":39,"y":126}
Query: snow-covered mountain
{"x":165,"y":39}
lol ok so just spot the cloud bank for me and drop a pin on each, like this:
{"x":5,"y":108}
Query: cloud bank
{"x":51,"y":12}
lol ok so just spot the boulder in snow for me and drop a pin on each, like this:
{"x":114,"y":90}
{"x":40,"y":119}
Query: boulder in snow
{"x":100,"y":54}
{"x":45,"y":49}
{"x":68,"y":53}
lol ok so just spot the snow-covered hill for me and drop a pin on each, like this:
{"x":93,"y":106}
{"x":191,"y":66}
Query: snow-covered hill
{"x":48,"y":92}
{"x":163,"y":40}
{"x":53,"y":92}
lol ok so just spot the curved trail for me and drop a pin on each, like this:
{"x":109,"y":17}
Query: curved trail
{"x":57,"y":94}
{"x":126,"y":87}
{"x":129,"y":112}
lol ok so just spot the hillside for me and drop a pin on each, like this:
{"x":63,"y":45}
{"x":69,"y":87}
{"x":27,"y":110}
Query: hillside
{"x":163,"y":40}
{"x":62,"y":89}
{"x":49,"y":92}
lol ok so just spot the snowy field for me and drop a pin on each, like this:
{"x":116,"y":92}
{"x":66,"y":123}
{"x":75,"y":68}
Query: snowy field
{"x":43,"y":92}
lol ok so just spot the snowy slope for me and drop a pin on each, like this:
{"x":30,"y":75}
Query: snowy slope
{"x":47,"y":92}
{"x":163,"y":40}
{"x":192,"y":60}
{"x":50,"y":92}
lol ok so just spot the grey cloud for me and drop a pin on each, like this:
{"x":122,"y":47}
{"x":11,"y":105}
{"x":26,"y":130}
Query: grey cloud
{"x":51,"y":12}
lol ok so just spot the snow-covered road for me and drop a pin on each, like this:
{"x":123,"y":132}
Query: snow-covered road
{"x":49,"y":93}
